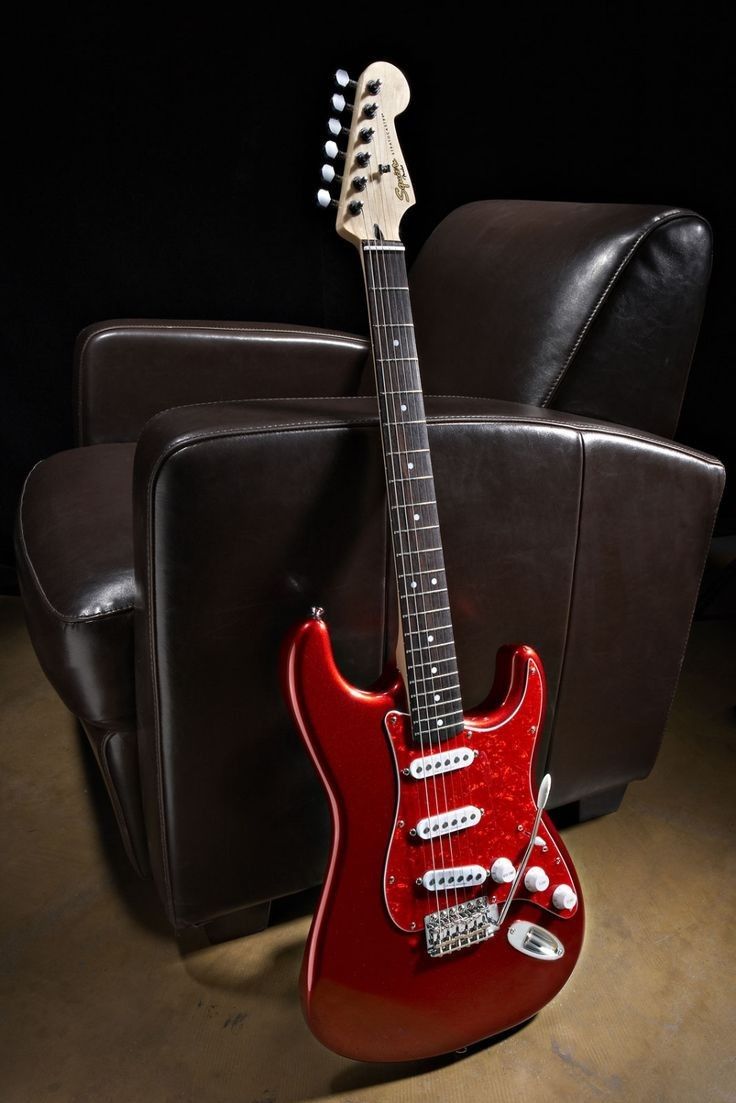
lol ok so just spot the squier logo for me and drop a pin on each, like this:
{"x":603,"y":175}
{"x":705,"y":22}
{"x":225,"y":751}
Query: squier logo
{"x":402,"y":188}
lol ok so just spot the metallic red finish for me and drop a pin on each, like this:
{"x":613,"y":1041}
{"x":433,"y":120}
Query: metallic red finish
{"x":369,"y":988}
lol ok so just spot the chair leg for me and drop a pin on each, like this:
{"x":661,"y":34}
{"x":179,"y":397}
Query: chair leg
{"x":601,"y":804}
{"x":238,"y":924}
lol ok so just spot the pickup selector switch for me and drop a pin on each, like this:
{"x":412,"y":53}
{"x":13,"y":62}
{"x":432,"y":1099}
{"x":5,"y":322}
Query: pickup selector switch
{"x":503,"y":871}
{"x":564,"y":898}
{"x":536,"y":880}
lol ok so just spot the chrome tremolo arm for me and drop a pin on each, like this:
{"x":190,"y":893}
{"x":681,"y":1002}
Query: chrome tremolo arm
{"x":542,"y":798}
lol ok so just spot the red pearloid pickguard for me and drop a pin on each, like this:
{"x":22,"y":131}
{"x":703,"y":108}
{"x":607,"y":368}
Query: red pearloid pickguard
{"x":370,"y":990}
{"x":498,"y":781}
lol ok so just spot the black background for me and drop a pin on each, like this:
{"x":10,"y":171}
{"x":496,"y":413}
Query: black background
{"x":167,"y":167}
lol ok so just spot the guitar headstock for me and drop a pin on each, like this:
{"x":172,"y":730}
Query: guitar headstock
{"x":364,"y":155}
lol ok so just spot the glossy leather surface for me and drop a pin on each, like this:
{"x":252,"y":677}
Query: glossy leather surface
{"x":258,"y":511}
{"x":127,"y":370}
{"x":286,"y":499}
{"x":74,"y":542}
{"x":589,"y":308}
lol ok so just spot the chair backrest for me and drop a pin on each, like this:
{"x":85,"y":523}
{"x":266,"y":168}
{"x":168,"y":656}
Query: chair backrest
{"x":591,"y":308}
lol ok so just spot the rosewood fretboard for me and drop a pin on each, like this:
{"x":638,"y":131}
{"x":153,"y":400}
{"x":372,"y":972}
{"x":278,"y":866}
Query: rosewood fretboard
{"x":433,"y":685}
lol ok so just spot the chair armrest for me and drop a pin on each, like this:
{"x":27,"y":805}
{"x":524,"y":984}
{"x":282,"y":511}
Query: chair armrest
{"x":589,"y":308}
{"x":128,"y":370}
{"x":247,"y":514}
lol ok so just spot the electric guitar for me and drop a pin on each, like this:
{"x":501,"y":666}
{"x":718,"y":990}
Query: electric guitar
{"x":450,"y":910}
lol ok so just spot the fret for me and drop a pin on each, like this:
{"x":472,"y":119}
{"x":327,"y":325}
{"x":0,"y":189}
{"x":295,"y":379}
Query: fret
{"x":431,"y":692}
{"x":426,"y":612}
{"x":417,"y":528}
{"x":451,"y":659}
{"x":383,"y":248}
{"x":407,"y":478}
{"x":395,"y":359}
{"x":439,"y":716}
{"x":429,"y":628}
{"x":412,"y":505}
{"x":417,"y":551}
{"x":385,"y":287}
{"x":405,"y":451}
{"x":426,"y":593}
{"x":422,"y":650}
{"x":407,"y":390}
{"x":427,"y":570}
{"x":390,"y":325}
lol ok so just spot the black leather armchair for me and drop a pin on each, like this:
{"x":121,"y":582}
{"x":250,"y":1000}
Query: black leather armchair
{"x":229,"y":476}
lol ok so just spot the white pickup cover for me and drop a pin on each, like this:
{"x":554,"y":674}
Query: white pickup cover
{"x":432,"y":764}
{"x":458,"y":877}
{"x":455,"y":819}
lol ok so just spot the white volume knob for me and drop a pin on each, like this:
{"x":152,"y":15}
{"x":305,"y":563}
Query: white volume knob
{"x":564,"y":898}
{"x":503,"y":871}
{"x":536,"y":879}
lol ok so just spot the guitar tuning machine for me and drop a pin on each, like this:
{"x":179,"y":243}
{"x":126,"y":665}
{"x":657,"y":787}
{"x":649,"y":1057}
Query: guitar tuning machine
{"x":340,"y":104}
{"x":332,"y":151}
{"x":336,"y":128}
{"x":328,"y":174}
{"x":324,"y":199}
{"x":342,"y":79}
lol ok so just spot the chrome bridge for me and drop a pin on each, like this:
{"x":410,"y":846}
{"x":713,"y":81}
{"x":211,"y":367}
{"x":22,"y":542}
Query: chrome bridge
{"x":460,"y":926}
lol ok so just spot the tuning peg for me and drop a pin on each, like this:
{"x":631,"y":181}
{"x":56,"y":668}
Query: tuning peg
{"x":339,"y":103}
{"x":336,"y":128}
{"x":329,"y":174}
{"x":362,"y":158}
{"x":324,"y":198}
{"x":370,"y":110}
{"x":374,"y":86}
{"x":367,"y":133}
{"x":331,"y":150}
{"x":342,"y":79}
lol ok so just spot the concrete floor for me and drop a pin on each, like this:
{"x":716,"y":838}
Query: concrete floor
{"x":100,"y":1003}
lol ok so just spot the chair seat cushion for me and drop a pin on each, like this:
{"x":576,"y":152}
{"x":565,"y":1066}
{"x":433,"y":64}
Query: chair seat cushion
{"x":74,"y":542}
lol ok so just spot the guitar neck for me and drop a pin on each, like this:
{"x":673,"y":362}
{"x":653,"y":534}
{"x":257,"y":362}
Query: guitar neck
{"x":426,"y":625}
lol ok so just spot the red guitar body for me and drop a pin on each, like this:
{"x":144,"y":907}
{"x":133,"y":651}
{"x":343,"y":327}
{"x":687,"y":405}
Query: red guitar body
{"x":370,"y":989}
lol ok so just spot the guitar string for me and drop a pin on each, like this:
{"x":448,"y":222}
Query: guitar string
{"x":402,"y":374}
{"x":372,"y":284}
{"x":404,"y":378}
{"x":382,"y":256}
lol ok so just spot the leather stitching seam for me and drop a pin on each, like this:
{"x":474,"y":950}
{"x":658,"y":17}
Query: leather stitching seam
{"x":658,"y":220}
{"x":173,"y":326}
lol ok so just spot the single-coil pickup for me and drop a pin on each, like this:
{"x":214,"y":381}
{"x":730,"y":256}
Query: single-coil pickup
{"x":457,"y":819}
{"x":438,"y":880}
{"x":432,"y":764}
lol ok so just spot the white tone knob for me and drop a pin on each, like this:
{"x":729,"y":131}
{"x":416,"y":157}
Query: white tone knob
{"x":536,"y":880}
{"x":328,"y":173}
{"x":338,"y":103}
{"x":503,"y":871}
{"x":564,"y":898}
{"x":331,"y":150}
